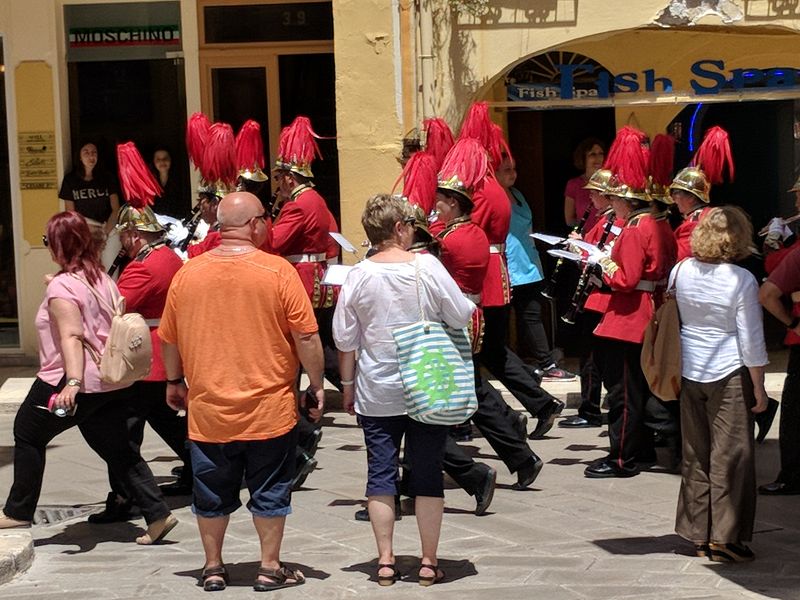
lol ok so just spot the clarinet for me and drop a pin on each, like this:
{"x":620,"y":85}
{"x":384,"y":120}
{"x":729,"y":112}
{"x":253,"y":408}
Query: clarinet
{"x":191,"y":223}
{"x":119,"y":261}
{"x":549,"y":291}
{"x":585,"y":286}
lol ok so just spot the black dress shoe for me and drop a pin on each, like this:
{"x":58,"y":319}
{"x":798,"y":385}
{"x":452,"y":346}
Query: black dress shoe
{"x":520,"y":423}
{"x":305,"y":465}
{"x":485,"y":492}
{"x":528,"y":472}
{"x":116,"y":511}
{"x":177,"y":488}
{"x":764,"y":420}
{"x":779,"y":488}
{"x":363,"y":514}
{"x":545,"y":419}
{"x":577,"y":422}
{"x":311,"y":442}
{"x":604,"y":468}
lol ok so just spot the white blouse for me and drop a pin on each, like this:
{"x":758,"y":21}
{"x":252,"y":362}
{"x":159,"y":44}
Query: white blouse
{"x":721,"y":320}
{"x":377,"y":298}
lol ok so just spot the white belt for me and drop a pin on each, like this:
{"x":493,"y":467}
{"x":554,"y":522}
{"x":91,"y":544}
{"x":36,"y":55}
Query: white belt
{"x":650,"y":286}
{"x":153,"y":322}
{"x":497,"y":248}
{"x":304,"y":258}
{"x":476,"y":298}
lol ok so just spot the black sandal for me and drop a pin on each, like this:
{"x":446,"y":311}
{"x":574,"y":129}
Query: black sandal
{"x":730,"y":553}
{"x":426,"y":581}
{"x":702,"y":550}
{"x":280,"y":576}
{"x":217,"y":573}
{"x":387,"y":580}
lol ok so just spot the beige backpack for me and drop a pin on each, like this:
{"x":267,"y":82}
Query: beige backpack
{"x":128,"y":353}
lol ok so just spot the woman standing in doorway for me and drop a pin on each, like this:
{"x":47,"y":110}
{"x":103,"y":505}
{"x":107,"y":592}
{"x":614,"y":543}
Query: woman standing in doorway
{"x":588,"y":157}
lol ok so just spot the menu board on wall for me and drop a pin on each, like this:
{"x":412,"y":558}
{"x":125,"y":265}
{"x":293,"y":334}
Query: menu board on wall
{"x":37,"y":160}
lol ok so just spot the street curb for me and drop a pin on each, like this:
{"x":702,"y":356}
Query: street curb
{"x":16,"y":553}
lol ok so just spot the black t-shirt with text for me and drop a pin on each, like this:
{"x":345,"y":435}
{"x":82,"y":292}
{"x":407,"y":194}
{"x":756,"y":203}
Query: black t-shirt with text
{"x":92,"y":198}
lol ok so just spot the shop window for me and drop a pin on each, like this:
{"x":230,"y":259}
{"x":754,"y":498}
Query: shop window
{"x":289,"y":22}
{"x":9,"y":318}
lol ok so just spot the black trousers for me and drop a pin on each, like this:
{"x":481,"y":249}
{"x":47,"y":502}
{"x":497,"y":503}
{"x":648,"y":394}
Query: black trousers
{"x":526,"y":302}
{"x":506,"y":366}
{"x":591,"y":378}
{"x":325,"y":322}
{"x":494,"y":419}
{"x":102,"y":420}
{"x":149,"y":405}
{"x":627,"y":392}
{"x":790,"y":421}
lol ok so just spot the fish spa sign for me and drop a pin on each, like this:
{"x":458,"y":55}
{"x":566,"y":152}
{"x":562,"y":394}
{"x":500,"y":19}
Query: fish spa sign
{"x":580,"y":82}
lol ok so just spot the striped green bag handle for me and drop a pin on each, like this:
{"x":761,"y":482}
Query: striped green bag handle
{"x":435,"y":368}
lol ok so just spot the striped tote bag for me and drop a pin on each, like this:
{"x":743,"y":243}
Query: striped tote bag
{"x":436,"y":370}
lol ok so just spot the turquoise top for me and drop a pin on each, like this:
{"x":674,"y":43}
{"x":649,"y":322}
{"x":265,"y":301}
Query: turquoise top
{"x":524,"y":265}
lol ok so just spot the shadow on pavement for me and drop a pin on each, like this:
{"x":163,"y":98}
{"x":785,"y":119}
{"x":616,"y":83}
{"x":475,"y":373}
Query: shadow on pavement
{"x":87,"y":536}
{"x":408,"y":566}
{"x":244,"y":574}
{"x":661,"y":544}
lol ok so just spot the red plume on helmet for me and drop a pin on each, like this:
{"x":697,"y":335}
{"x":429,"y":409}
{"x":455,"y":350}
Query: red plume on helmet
{"x":714,"y":154}
{"x":219,"y":158}
{"x":438,"y":139}
{"x":466,"y":165}
{"x":662,"y":159}
{"x":628,"y":157}
{"x":297,"y":147}
{"x":419,"y":181}
{"x":197,"y":138}
{"x":249,"y":147}
{"x":478,"y":125}
{"x":138,"y":184}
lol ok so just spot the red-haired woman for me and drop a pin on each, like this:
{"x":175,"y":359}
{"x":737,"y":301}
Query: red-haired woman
{"x":68,"y":390}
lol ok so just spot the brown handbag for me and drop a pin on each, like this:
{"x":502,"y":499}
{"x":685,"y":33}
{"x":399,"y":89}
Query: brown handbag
{"x":661,"y":348}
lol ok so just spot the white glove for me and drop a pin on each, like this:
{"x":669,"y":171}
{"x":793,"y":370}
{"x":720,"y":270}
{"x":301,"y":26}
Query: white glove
{"x":775,"y":227}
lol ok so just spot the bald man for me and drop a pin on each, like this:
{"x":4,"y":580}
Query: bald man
{"x":236,"y":327}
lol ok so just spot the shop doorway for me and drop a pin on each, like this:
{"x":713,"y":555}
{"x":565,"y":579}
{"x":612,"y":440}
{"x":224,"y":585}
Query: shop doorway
{"x":9,"y":317}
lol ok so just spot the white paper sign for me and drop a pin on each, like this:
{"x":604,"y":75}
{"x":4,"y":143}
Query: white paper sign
{"x":343,"y":242}
{"x":336,"y":274}
{"x":553,"y":240}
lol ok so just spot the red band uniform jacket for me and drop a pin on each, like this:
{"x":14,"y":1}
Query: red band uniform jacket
{"x":644,"y":251}
{"x":144,"y":284}
{"x":683,"y":232}
{"x":598,"y":298}
{"x":302,"y":228}
{"x":492,"y":213}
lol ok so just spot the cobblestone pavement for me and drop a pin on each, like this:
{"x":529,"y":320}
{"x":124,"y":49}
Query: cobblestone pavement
{"x":567,"y":537}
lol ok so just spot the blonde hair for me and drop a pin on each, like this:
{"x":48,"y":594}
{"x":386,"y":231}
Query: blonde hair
{"x":723,"y":235}
{"x":380,"y":215}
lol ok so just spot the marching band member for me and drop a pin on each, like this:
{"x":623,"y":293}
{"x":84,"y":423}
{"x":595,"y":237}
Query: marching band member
{"x":691,"y":187}
{"x":492,"y":213}
{"x":144,"y":283}
{"x":464,"y":251}
{"x":636,"y":272}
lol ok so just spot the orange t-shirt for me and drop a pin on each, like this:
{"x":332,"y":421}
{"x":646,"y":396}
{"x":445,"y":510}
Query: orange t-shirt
{"x":231,"y":319}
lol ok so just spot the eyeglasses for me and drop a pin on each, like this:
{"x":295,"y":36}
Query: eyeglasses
{"x":44,"y":241}
{"x":262,"y":216}
{"x":409,"y":221}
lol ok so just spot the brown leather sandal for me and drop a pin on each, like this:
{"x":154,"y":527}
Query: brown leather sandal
{"x":280,"y":577}
{"x":385,"y":580}
{"x":214,"y":579}
{"x":426,"y":581}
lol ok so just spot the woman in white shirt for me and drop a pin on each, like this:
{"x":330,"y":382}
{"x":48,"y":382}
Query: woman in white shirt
{"x":723,"y":358}
{"x":378,"y":296}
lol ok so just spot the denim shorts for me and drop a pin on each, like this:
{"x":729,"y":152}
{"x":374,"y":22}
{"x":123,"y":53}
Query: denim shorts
{"x":267,"y":467}
{"x":424,"y":452}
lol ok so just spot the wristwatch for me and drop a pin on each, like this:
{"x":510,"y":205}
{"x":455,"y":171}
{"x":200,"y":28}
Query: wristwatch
{"x":175,"y":381}
{"x":73,"y":382}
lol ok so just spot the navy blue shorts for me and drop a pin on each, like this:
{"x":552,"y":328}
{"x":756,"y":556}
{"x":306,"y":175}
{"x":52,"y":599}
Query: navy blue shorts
{"x":424,"y":453}
{"x":267,"y":467}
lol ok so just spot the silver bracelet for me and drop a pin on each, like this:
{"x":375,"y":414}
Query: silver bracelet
{"x":347,"y":382}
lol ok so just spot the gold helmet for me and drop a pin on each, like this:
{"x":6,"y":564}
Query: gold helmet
{"x":420,"y":219}
{"x":297,"y":148}
{"x":656,"y":191}
{"x":694,"y":181}
{"x":620,"y":190}
{"x":141,"y":219}
{"x":795,"y":187}
{"x":599,"y":181}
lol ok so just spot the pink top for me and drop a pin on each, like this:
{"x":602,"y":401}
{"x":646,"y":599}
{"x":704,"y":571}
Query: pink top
{"x":96,"y":325}
{"x":582,"y":199}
